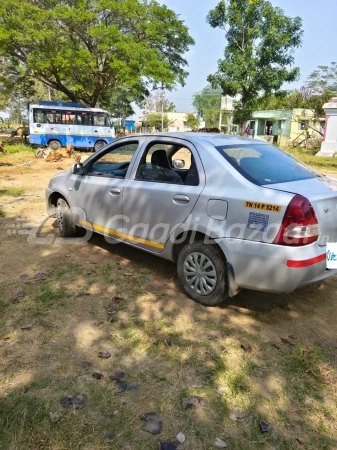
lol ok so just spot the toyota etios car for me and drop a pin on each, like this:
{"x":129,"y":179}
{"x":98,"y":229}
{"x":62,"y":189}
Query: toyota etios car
{"x":232,"y":212}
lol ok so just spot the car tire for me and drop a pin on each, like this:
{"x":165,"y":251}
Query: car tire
{"x":66,"y":222}
{"x":54,"y":144}
{"x":98,"y":145}
{"x":211,"y":287}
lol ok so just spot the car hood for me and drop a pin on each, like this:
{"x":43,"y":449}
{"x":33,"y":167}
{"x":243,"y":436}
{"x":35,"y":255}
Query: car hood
{"x":322,"y":193}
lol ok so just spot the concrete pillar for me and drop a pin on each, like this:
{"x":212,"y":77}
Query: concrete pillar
{"x":329,"y":144}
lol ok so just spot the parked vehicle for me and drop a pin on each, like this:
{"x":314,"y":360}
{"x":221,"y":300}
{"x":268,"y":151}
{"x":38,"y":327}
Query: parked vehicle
{"x":232,"y":212}
{"x":56,"y":124}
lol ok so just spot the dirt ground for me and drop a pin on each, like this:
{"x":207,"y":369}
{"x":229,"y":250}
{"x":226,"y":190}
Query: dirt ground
{"x":93,"y":296}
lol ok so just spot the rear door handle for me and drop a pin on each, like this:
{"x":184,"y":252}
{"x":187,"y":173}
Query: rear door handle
{"x":115,"y":191}
{"x":181,"y":199}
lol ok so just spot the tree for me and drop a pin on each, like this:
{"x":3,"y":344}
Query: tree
{"x":119,"y":105}
{"x":305,"y":98}
{"x":192,"y":121}
{"x":157,"y":102}
{"x":208,"y":103}
{"x":154,"y":120}
{"x":259,"y":52}
{"x":84,"y":48}
{"x":118,"y":102}
{"x":324,"y":79}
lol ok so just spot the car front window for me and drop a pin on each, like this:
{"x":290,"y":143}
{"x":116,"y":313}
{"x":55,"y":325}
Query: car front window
{"x":265,"y":164}
{"x":114,"y":163}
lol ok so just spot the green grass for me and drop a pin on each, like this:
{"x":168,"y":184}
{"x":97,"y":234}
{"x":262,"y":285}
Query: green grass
{"x":14,"y":147}
{"x":33,"y":308}
{"x":12,"y":191}
{"x":304,"y":367}
{"x":50,"y":294}
{"x":308,"y":157}
{"x":68,"y":269}
{"x":2,"y":214}
{"x":229,"y":378}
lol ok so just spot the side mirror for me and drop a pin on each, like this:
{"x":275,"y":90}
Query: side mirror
{"x":178,"y":163}
{"x":77,"y":169}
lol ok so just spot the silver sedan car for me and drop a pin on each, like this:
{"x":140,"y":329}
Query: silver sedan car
{"x":233,"y":213}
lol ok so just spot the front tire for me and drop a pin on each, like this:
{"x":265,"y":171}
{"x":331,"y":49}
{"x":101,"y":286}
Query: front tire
{"x":66,"y":222}
{"x":202,"y":272}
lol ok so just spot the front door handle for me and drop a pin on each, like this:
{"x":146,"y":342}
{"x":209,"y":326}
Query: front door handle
{"x":115,"y":191}
{"x":181,"y":199}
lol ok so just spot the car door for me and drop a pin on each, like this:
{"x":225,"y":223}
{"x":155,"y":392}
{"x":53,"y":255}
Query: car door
{"x":98,"y":192}
{"x":158,"y":197}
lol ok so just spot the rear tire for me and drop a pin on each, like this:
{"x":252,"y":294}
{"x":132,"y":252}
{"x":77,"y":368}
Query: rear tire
{"x":54,"y":144}
{"x":202,"y":272}
{"x":98,"y":145}
{"x":66,"y":222}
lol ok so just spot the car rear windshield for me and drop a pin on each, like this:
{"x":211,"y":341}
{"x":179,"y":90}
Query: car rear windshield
{"x":265,"y":164}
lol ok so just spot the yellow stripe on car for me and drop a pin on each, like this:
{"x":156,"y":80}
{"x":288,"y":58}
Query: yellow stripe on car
{"x":121,"y":235}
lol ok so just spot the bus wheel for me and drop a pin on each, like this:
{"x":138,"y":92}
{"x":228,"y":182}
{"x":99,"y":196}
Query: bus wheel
{"x":98,"y":145}
{"x":54,"y":144}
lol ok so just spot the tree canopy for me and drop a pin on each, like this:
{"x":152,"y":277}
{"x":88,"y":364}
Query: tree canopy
{"x":259,"y":54}
{"x":208,"y":103}
{"x":305,"y":97}
{"x":88,"y":48}
{"x":192,"y":121}
{"x":154,"y":120}
{"x":324,"y":79}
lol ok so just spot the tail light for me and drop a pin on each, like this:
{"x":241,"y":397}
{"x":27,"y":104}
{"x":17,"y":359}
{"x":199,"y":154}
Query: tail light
{"x":300,"y":225}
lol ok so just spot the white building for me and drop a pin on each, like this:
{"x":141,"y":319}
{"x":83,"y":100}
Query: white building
{"x":177,"y":121}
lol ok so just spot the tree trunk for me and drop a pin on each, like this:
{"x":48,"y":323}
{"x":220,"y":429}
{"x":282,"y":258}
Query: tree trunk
{"x":243,"y":126}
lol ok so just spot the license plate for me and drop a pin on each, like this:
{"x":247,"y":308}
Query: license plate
{"x":331,"y":256}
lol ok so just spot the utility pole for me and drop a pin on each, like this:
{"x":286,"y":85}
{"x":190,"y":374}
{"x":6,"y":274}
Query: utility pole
{"x":220,"y":118}
{"x":162,"y":107}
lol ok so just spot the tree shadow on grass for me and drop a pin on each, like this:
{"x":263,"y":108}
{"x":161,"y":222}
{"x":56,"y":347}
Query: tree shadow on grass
{"x":172,"y":347}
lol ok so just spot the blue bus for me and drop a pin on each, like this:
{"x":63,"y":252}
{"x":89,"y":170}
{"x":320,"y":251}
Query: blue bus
{"x":56,"y":124}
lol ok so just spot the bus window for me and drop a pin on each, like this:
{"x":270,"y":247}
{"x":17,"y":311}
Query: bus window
{"x":68,"y":118}
{"x":52,"y":116}
{"x":100,"y":119}
{"x":57,"y":117}
{"x":39,"y":116}
{"x":83,"y":118}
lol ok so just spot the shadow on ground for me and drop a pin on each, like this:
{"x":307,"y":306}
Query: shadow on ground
{"x":269,"y":357}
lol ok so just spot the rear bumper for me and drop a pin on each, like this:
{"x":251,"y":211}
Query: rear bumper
{"x":274,"y":268}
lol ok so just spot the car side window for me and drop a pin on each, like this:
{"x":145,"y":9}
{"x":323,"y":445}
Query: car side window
{"x":114,"y":163}
{"x":158,"y":165}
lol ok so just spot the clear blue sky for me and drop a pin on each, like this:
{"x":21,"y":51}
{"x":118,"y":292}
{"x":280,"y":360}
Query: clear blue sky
{"x":319,"y":41}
